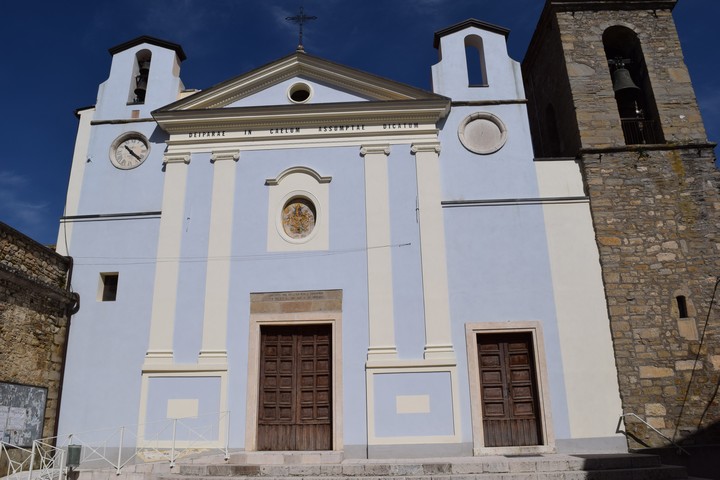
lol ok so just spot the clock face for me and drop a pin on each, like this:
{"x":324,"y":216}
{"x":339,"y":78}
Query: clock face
{"x":129,"y":151}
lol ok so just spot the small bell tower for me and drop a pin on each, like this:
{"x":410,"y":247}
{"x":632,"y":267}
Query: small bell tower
{"x":144,"y":75}
{"x":607,"y":85}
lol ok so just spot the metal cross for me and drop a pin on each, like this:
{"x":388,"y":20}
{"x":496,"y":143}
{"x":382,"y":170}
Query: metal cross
{"x":300,"y":19}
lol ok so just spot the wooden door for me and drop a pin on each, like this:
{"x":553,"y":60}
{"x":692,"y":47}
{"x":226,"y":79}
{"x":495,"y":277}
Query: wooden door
{"x":509,"y":390}
{"x":295,"y":388}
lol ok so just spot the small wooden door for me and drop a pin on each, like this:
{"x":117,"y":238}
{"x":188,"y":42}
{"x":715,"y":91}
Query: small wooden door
{"x":509,"y":390}
{"x":295,"y":388}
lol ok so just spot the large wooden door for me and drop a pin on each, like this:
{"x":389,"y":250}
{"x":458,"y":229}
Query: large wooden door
{"x":295,"y":388}
{"x":509,"y":390}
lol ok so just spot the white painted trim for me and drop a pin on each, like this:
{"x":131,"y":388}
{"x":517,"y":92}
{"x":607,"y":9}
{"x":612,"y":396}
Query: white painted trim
{"x":373,"y":439}
{"x":438,"y":336}
{"x":381,"y":315}
{"x":543,"y":385}
{"x":333,"y":318}
{"x":162,"y":320}
{"x":217,"y":283}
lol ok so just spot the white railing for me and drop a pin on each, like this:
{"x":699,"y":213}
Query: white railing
{"x":162,"y":441}
{"x":618,"y":430}
{"x":15,"y":465}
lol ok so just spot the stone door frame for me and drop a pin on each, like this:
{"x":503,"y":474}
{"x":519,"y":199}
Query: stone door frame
{"x":322,"y":308}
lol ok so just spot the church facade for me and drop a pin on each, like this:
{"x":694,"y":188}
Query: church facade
{"x":342,"y":262}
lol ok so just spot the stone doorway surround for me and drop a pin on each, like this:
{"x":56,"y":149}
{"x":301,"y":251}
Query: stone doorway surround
{"x":472,"y":330}
{"x":315,"y":307}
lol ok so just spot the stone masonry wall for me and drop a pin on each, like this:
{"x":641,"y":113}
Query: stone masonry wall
{"x":545,"y":77}
{"x":657,"y":221}
{"x":34,"y":308}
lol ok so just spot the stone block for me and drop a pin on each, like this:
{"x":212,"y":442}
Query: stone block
{"x":655,"y":409}
{"x":655,"y":372}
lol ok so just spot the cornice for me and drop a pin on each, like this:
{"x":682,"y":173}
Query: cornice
{"x":598,"y":5}
{"x":299,"y":64}
{"x":421,"y":111}
{"x":299,"y":169}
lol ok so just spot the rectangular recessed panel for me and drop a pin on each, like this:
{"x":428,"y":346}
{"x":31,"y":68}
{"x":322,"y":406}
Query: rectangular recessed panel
{"x":295,"y":388}
{"x":491,"y":377}
{"x":507,"y":382}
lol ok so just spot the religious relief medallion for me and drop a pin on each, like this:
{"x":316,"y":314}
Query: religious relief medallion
{"x":482,"y":133}
{"x":298,"y":217}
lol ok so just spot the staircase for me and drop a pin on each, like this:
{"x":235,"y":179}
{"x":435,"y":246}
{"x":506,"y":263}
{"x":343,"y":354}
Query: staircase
{"x":330,"y":466}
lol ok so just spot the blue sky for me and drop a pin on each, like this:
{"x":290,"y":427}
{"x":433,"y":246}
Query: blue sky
{"x":55,"y":54}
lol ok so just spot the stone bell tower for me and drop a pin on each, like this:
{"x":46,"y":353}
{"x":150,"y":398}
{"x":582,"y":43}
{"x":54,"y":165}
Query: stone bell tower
{"x":607,"y":85}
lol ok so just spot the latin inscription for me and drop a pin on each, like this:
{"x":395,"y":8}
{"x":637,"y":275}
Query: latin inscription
{"x":220,"y":133}
{"x":299,"y":130}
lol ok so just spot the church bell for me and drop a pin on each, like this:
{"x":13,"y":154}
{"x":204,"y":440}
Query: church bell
{"x":141,"y":87}
{"x":622,"y":80}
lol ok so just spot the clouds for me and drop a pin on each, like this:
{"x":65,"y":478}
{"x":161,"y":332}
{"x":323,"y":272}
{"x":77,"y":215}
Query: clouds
{"x":20,"y":207}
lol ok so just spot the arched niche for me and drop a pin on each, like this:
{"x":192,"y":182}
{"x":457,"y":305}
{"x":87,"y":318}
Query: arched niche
{"x":636,"y":101}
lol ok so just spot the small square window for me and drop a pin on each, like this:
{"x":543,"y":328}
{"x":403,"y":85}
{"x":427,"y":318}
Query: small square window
{"x":108,"y":287}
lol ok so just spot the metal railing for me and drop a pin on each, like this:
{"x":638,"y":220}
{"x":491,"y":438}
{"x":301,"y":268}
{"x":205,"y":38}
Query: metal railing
{"x":14,"y":464}
{"x":618,"y":430}
{"x":163,"y":441}
{"x":639,"y":131}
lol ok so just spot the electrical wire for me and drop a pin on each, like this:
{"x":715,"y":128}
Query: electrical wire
{"x":697,"y":358}
{"x":124,"y":261}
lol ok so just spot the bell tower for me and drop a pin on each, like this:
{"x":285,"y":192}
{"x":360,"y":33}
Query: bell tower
{"x":608,"y":86}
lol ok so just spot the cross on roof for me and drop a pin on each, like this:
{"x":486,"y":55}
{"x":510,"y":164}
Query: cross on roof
{"x":300,"y":19}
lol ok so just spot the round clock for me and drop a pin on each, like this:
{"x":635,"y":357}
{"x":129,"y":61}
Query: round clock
{"x":129,"y":150}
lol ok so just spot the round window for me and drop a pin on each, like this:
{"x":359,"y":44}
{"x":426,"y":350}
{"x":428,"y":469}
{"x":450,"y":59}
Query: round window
{"x":300,"y":93}
{"x":298,"y":217}
{"x":482,"y":133}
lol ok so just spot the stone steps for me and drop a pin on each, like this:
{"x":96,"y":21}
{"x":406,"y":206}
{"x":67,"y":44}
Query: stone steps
{"x":539,"y":467}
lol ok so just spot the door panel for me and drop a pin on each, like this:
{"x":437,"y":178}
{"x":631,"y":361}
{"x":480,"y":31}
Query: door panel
{"x":509,"y":390}
{"x":295,"y":411}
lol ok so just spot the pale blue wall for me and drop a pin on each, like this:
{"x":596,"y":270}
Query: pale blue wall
{"x":108,"y":340}
{"x":407,"y":274}
{"x":107,"y":189}
{"x":194,"y":249}
{"x":277,"y":94}
{"x":436,"y":385}
{"x":206,"y":390}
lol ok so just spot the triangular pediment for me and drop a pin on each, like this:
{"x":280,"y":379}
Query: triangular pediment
{"x":342,"y":96}
{"x":352,"y":85}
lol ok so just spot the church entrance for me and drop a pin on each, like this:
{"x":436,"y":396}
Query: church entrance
{"x":295,"y":396}
{"x":510,"y":407}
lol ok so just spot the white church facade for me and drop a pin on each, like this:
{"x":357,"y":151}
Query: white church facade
{"x":342,"y":262}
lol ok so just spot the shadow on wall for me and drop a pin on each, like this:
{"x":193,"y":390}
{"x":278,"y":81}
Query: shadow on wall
{"x":703,"y":452}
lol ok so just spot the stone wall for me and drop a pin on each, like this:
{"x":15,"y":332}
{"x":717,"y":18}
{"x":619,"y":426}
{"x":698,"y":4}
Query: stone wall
{"x":657,"y":223}
{"x":34,"y":316}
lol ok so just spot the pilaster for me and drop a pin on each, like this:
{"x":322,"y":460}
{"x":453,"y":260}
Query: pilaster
{"x":379,"y":255}
{"x":438,"y":339}
{"x":162,"y":320}
{"x":217,"y":293}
